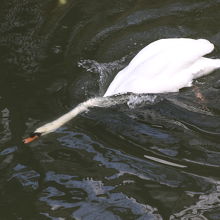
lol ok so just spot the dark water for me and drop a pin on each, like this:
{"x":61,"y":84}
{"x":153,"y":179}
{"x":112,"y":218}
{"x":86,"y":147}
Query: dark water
{"x":55,"y":54}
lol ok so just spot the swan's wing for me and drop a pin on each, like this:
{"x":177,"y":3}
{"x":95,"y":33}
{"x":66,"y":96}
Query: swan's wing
{"x":172,"y":82}
{"x":159,"y":61}
{"x":200,"y":48}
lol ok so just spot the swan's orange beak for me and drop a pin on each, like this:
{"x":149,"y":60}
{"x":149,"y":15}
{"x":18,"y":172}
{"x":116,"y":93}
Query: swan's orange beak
{"x":32,"y":137}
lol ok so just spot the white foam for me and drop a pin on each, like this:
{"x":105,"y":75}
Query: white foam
{"x":135,"y":100}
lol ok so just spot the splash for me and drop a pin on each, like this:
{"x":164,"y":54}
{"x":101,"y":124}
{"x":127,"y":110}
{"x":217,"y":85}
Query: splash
{"x":137,"y":100}
{"x":105,"y":71}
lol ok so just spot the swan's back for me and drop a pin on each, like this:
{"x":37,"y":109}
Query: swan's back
{"x":165,"y":65}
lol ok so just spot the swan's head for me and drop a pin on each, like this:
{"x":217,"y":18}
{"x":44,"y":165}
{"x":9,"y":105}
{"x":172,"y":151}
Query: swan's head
{"x":43,"y":130}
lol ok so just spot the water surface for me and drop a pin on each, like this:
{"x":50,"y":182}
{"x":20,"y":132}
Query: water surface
{"x":56,"y":54}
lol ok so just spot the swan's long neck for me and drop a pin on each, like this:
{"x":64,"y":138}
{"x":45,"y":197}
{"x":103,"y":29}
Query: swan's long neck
{"x":82,"y":107}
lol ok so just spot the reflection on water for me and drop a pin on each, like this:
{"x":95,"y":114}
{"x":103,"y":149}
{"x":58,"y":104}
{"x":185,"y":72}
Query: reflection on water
{"x":91,"y":199}
{"x":206,"y":207}
{"x":109,"y":163}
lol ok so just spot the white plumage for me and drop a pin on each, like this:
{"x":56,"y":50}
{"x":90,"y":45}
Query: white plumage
{"x":163,"y":66}
{"x":166,"y":65}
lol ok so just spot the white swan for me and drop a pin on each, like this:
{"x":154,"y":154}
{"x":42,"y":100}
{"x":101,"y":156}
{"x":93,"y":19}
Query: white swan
{"x":166,"y":65}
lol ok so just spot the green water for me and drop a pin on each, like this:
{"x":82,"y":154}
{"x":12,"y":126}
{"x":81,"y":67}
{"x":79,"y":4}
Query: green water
{"x":56,"y":54}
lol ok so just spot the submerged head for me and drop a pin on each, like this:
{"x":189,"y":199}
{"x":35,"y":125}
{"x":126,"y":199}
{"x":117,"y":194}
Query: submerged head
{"x":43,"y":130}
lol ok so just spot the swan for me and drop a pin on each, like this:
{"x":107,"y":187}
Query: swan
{"x":163,"y":66}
